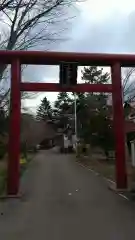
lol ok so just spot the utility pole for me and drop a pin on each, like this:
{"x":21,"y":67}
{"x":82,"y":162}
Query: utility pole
{"x":75,"y":118}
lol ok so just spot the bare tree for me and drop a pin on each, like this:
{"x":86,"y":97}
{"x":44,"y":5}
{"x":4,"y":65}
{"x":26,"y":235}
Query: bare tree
{"x":33,"y":131}
{"x":128,"y":82}
{"x":5,"y":4}
{"x":27,"y":24}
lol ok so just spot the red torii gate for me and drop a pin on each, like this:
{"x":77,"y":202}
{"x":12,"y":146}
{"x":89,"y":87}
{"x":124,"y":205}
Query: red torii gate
{"x":16,"y":58}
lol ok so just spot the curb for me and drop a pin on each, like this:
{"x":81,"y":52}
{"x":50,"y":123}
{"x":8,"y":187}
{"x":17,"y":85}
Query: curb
{"x":111,"y":187}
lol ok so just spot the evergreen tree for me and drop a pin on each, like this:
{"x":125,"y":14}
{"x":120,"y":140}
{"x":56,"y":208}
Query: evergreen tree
{"x":63,"y":102}
{"x":92,"y":113}
{"x":3,"y":121}
{"x":44,"y":111}
{"x":63,"y":105}
{"x":94,"y":75}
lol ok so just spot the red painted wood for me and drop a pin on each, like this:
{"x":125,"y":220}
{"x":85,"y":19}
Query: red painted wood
{"x":14,"y":131}
{"x":55,"y":87}
{"x":118,"y":116}
{"x":54,"y":58}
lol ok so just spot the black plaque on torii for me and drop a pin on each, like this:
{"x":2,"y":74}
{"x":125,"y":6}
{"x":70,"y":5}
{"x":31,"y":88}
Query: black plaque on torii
{"x":68,"y":74}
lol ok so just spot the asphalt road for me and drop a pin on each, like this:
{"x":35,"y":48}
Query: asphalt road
{"x":64,"y":201}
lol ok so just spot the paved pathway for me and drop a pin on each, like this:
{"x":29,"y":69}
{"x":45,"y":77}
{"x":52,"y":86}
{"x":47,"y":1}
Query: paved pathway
{"x":64,"y":201}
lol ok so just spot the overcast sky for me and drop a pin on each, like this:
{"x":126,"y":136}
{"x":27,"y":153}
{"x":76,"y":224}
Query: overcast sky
{"x":100,"y":26}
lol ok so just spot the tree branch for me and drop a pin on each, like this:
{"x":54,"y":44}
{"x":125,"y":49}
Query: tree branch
{"x":5,"y":4}
{"x":29,"y":23}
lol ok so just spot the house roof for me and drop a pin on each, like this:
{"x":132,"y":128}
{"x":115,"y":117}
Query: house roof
{"x":129,"y":126}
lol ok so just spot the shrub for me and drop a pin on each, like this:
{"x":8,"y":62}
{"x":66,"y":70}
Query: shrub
{"x":2,"y":150}
{"x":3,"y":180}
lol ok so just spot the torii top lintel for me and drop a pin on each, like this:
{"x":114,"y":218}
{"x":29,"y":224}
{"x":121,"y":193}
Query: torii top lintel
{"x":54,"y":58}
